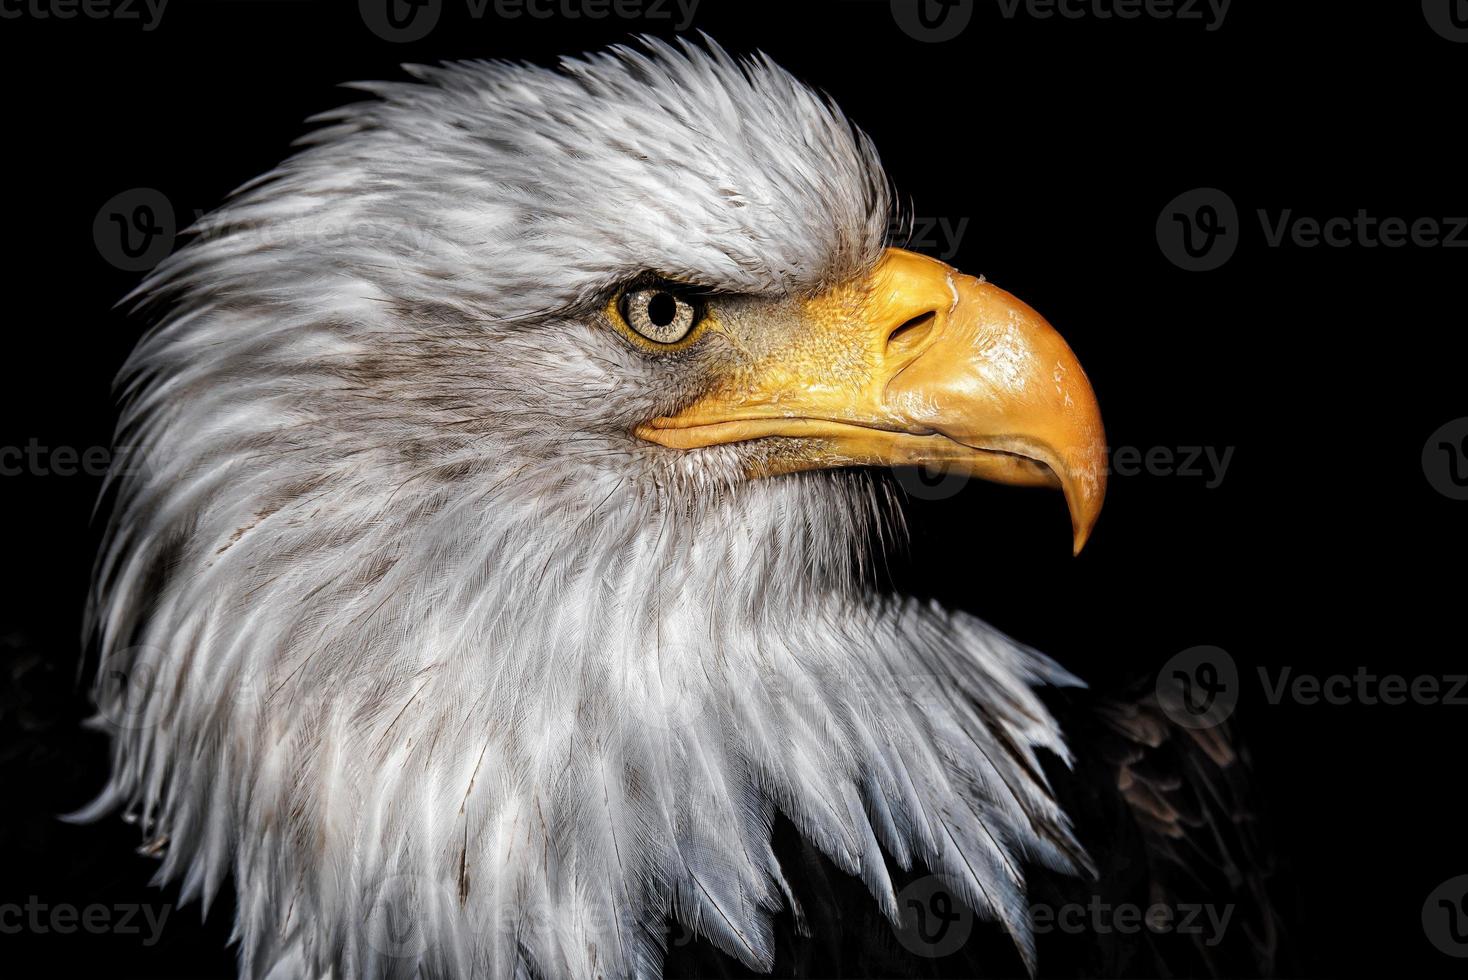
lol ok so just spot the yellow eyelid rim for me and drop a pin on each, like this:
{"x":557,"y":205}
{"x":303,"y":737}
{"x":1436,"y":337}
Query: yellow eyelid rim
{"x":614,"y":313}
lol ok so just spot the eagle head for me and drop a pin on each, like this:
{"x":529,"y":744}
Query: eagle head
{"x":498,"y":563}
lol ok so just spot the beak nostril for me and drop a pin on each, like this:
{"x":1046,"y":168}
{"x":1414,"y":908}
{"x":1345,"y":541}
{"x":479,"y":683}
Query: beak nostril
{"x":910,"y":334}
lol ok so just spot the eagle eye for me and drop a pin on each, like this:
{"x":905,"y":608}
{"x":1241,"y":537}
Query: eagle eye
{"x":660,"y":314}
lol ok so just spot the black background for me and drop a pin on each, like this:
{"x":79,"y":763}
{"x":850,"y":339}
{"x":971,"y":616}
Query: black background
{"x":1325,"y":370}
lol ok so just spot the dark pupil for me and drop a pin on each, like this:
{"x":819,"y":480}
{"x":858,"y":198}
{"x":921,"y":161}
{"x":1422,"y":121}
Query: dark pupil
{"x":662,"y":309}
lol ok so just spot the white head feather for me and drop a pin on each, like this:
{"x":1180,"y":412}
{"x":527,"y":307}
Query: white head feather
{"x":402,"y":618}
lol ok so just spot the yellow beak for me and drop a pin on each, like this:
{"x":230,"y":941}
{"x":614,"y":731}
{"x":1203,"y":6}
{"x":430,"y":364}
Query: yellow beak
{"x":917,"y":364}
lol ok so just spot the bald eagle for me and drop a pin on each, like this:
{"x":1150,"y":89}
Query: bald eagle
{"x":499,"y":577}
